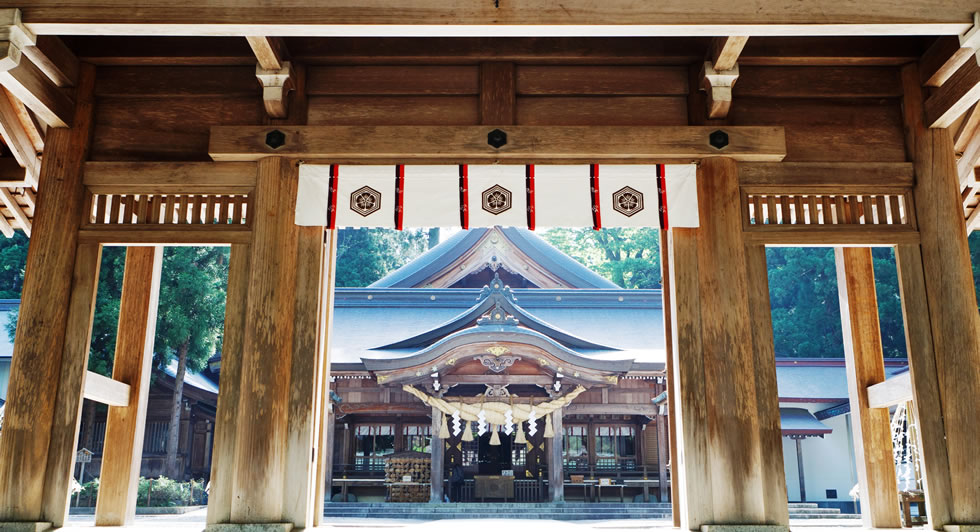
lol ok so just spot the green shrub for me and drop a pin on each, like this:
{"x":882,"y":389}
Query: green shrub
{"x":154,"y":492}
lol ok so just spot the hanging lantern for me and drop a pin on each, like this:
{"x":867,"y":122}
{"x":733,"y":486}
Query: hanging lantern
{"x":468,"y":433}
{"x":495,"y":437}
{"x":549,"y":430}
{"x":520,"y":438}
{"x":444,"y":429}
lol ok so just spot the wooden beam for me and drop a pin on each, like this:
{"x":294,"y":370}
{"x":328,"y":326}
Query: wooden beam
{"x":165,"y":234}
{"x":459,"y":144}
{"x":542,"y":380}
{"x":437,"y":464}
{"x":17,"y":138}
{"x":122,"y":455}
{"x":826,"y":177}
{"x":24,"y":80}
{"x":498,"y":96}
{"x":969,"y":128}
{"x":225,"y":423}
{"x":107,"y":391}
{"x":866,"y":367}
{"x":830,"y":236}
{"x":556,"y":457}
{"x":54,"y":59}
{"x":11,"y":203}
{"x":968,"y":161}
{"x":891,"y":392}
{"x":169,"y":178}
{"x":941,"y":60}
{"x":539,"y":18}
{"x":955,"y":97}
{"x":270,"y":52}
{"x":42,"y":326}
{"x":725,"y":51}
{"x":328,"y":421}
{"x":625,"y":409}
{"x":718,"y":86}
{"x":6,"y":228}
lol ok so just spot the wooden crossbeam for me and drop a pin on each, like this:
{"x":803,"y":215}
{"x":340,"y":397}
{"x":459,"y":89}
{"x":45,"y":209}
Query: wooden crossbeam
{"x":461,"y":18}
{"x":10,"y":202}
{"x":270,"y":52}
{"x":165,"y":234}
{"x":17,"y":138}
{"x":941,"y":60}
{"x":6,"y":228}
{"x":468,"y":144}
{"x":892,"y":391}
{"x":968,"y":128}
{"x":826,"y":177}
{"x":956,"y":96}
{"x":104,"y":390}
{"x":725,"y":51}
{"x":830,"y":236}
{"x":22,"y":78}
{"x":54,"y":59}
{"x":968,"y":161}
{"x":169,"y":177}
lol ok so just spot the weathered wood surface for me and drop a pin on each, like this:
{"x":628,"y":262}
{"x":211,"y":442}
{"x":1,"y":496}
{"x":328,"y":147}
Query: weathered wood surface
{"x":892,"y":391}
{"x":767,"y":393}
{"x":42,"y":326}
{"x":826,"y":177}
{"x":498,"y":96}
{"x":459,"y":18}
{"x":437,"y":451}
{"x":55,"y":59}
{"x":22,"y":78}
{"x":122,"y":455}
{"x":169,"y":178}
{"x":556,"y":457}
{"x":68,"y":406}
{"x":671,"y":379}
{"x":523,"y":142}
{"x":270,"y":52}
{"x":956,"y":95}
{"x":226,"y":420}
{"x":264,"y":396}
{"x":866,"y":367}
{"x":104,"y":390}
{"x":327,"y":427}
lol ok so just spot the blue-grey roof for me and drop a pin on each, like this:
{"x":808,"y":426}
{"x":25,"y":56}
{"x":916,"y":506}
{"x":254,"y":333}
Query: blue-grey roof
{"x":196,"y":380}
{"x":604,"y":317}
{"x":550,"y":258}
{"x":818,"y":380}
{"x":800,"y":422}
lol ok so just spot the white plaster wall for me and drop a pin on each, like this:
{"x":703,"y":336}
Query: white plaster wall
{"x":828,"y":463}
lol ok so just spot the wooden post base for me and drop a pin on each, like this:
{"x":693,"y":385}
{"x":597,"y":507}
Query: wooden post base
{"x":744,"y":528}
{"x":25,"y":526}
{"x":249,"y":527}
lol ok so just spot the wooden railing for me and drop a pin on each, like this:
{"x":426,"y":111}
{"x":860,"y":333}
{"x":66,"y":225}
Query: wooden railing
{"x":168,"y":209}
{"x":826,"y":209}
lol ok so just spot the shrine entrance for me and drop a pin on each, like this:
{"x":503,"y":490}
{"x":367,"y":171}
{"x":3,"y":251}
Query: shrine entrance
{"x":495,"y":458}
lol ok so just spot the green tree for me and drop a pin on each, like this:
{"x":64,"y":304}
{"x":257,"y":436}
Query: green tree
{"x":366,"y":255}
{"x":13,"y":257}
{"x":189,"y":322}
{"x":629,"y":257}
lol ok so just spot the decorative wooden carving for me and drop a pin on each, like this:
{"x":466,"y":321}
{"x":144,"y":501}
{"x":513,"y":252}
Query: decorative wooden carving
{"x":718,"y":84}
{"x":497,"y":316}
{"x":276,"y":84}
{"x":497,"y":390}
{"x":497,"y":364}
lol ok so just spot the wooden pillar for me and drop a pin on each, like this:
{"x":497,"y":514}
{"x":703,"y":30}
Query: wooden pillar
{"x":556,"y":469}
{"x":438,"y":451}
{"x":28,"y":491}
{"x":865,"y":367}
{"x":675,"y":495}
{"x":718,"y":411}
{"x":799,"y":468}
{"x":123,"y":453}
{"x":229,"y":389}
{"x":327,"y":429}
{"x":306,"y":382}
{"x":767,"y":394}
{"x":662,"y":445}
{"x":266,"y":360}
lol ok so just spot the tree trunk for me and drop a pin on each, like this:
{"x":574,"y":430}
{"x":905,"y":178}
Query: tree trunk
{"x":173,"y":431}
{"x":433,"y":237}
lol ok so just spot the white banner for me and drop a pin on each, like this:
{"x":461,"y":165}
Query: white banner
{"x":406,"y":196}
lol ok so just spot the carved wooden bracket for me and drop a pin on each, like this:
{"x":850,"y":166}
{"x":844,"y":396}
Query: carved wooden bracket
{"x":718,"y":84}
{"x":276,"y":84}
{"x":498,"y":363}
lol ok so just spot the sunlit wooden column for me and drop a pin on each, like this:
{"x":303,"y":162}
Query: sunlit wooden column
{"x":33,"y":395}
{"x":672,"y":394}
{"x":306,"y":381}
{"x":942,"y":325}
{"x":123,"y":452}
{"x":262,"y":424}
{"x":556,"y":460}
{"x":663,"y":445}
{"x":229,"y":389}
{"x":719,"y":416}
{"x":324,"y":463}
{"x":437,"y":450}
{"x":866,"y":367}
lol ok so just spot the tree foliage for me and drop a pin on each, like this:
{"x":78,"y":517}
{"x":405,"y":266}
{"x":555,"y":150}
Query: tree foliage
{"x":366,"y":255}
{"x":629,"y":257}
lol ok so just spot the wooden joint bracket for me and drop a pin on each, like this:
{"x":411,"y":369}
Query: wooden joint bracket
{"x":718,"y":84}
{"x":12,"y":29}
{"x":276,"y":84}
{"x":971,"y":39}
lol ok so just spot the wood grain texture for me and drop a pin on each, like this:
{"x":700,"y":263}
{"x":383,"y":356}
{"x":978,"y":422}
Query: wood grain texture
{"x":16,"y":137}
{"x":264,"y":397}
{"x":177,"y":82}
{"x":969,"y":128}
{"x":229,"y":393}
{"x":956,"y":96}
{"x":394,"y":110}
{"x":498,"y":99}
{"x":461,"y":18}
{"x":68,"y":406}
{"x":827,"y":177}
{"x":271,"y":52}
{"x":724,"y":51}
{"x":352,"y":80}
{"x":943,"y":57}
{"x":523,"y":142}
{"x":556,"y":469}
{"x":818,"y":82}
{"x":542,"y":80}
{"x":325,"y":437}
{"x":30,"y":85}
{"x":43,"y":319}
{"x":122,"y":455}
{"x":169,"y":178}
{"x":55,"y":59}
{"x":672,"y":390}
{"x":865,"y":367}
{"x":602,"y":110}
{"x":767,"y":394}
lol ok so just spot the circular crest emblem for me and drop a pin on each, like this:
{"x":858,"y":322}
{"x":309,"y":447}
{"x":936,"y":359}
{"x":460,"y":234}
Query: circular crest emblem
{"x":496,"y":199}
{"x":627,"y":201}
{"x":365,"y":201}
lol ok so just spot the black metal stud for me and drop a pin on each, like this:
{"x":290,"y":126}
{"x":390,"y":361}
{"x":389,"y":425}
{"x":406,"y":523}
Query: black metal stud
{"x":718,"y":139}
{"x":275,"y":139}
{"x":497,"y":138}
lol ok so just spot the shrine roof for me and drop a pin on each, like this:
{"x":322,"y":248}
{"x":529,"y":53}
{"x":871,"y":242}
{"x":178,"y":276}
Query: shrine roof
{"x":800,"y":422}
{"x":547,"y":257}
{"x":820,"y":380}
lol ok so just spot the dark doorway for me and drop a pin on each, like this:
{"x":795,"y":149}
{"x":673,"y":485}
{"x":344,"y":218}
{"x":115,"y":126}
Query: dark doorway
{"x":495,"y":458}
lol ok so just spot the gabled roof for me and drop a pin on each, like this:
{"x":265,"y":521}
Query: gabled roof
{"x":451,"y":256}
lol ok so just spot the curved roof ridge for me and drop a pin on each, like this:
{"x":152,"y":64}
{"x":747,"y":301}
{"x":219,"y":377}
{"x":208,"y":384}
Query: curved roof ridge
{"x":537,"y":249}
